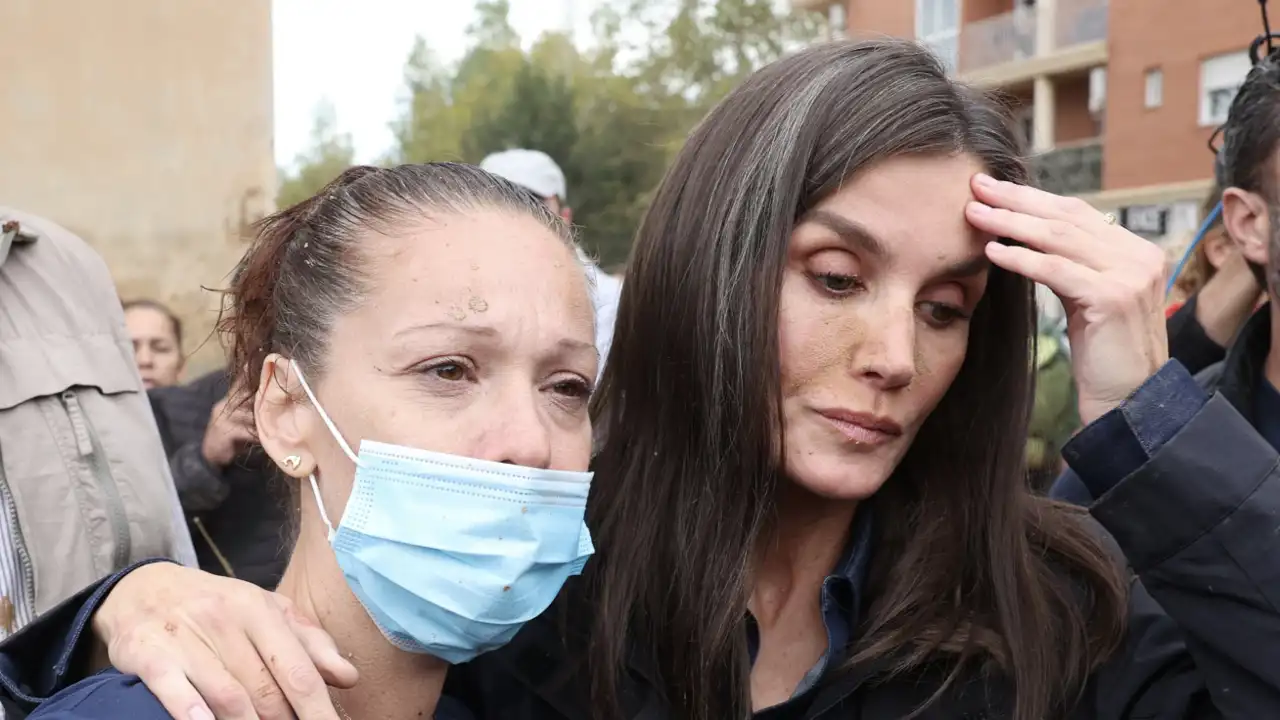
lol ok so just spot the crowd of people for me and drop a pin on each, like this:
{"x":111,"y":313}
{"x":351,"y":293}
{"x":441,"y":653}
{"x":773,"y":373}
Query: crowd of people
{"x":871,"y":428}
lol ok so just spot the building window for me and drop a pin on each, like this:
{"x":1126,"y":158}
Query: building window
{"x":938,"y":28}
{"x":1153,"y":94}
{"x":1220,"y":78}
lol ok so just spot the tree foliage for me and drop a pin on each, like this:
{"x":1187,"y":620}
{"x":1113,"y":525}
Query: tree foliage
{"x":330,"y":153}
{"x":612,"y":113}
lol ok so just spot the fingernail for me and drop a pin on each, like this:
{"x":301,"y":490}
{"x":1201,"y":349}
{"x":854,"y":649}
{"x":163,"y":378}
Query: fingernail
{"x":200,"y":713}
{"x":985,"y":180}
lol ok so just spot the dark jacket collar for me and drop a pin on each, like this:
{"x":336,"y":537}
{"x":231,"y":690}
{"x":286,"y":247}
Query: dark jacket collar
{"x":1237,"y":376}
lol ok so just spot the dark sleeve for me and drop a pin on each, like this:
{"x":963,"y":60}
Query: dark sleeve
{"x":105,"y":696}
{"x":162,"y":424}
{"x":1118,"y":443}
{"x":1188,"y":343}
{"x":1069,"y":488}
{"x":201,"y":486}
{"x":185,"y":411}
{"x":1197,"y":522}
{"x":52,"y":651}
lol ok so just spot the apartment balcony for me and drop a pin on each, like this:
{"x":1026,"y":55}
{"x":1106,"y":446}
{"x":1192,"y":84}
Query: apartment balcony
{"x":1069,"y":169}
{"x":1051,"y":38}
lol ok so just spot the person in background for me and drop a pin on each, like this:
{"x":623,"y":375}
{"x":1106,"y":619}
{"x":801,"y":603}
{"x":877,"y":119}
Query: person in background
{"x":535,"y":171}
{"x":1215,"y":293}
{"x":236,"y":507}
{"x":157,"y":342}
{"x":1054,"y":417}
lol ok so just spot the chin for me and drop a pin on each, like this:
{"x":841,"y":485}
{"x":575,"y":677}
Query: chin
{"x":840,"y":476}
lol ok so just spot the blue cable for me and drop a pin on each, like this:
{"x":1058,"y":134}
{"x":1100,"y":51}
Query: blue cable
{"x":1204,"y":230}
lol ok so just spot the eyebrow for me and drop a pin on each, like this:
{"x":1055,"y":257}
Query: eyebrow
{"x":488,"y":332}
{"x":850,"y":231}
{"x":857,"y":235}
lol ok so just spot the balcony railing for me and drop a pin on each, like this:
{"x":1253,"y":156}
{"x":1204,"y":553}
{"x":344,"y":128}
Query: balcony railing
{"x":1079,"y":22}
{"x":1017,"y":35}
{"x":998,"y":39}
{"x":1072,"y":169}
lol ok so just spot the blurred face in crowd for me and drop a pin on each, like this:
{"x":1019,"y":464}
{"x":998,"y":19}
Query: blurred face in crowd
{"x":156,"y":348}
{"x":475,"y":338}
{"x":874,"y":321}
{"x":559,"y":208}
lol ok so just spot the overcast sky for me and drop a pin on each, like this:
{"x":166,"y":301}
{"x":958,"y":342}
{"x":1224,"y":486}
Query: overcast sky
{"x":352,"y":54}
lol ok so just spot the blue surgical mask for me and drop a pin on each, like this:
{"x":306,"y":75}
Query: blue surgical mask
{"x":449,"y":555}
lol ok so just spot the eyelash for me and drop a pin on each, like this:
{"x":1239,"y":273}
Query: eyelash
{"x":822,"y":278}
{"x":951,"y":313}
{"x":576,"y":388}
{"x":435,"y":368}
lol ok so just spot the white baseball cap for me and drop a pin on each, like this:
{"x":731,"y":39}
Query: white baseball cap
{"x":533,"y":169}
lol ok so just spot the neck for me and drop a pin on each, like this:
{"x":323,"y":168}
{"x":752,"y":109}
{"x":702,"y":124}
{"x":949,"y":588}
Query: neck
{"x":393,"y":684}
{"x":793,"y":560}
{"x":1272,"y":368}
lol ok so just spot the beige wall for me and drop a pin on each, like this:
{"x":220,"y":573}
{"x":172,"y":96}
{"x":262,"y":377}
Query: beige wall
{"x":145,"y":126}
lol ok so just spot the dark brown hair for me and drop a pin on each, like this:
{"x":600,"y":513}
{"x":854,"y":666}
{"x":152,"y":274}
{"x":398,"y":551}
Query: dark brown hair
{"x":968,"y":566}
{"x":161,"y":308}
{"x":305,"y":267}
{"x":1250,"y":142}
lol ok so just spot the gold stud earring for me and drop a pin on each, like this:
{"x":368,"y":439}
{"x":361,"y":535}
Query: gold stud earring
{"x":293,"y":462}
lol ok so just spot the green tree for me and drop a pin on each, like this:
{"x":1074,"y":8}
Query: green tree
{"x":330,"y":153}
{"x":612,"y":117}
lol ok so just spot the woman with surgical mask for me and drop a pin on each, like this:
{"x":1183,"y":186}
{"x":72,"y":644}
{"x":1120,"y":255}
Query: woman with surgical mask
{"x":420,"y":345}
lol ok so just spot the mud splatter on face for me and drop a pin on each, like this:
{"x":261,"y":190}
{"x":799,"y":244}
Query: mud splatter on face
{"x":457,"y":313}
{"x":477,"y":304}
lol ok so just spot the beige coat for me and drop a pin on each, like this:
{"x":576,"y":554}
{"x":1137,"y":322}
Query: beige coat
{"x":85,"y":488}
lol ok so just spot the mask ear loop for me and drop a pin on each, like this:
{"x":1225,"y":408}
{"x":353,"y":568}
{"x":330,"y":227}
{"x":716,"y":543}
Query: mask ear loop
{"x":333,"y":430}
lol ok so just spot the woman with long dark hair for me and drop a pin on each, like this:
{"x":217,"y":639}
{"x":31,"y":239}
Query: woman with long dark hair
{"x":810,"y":500}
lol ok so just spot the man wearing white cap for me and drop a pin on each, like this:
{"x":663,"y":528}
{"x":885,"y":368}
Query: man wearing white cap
{"x":537,"y":172}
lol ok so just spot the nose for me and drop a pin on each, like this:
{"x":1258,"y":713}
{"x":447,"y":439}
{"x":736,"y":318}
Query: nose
{"x":887,"y":358}
{"x":522,"y":435}
{"x":144,"y":357}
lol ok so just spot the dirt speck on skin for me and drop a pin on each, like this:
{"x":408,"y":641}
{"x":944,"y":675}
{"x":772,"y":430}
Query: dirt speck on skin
{"x":457,"y":313}
{"x":478,"y":304}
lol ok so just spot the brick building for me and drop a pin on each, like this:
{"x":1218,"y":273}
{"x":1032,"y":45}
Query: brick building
{"x":1117,"y":99}
{"x":145,"y":127}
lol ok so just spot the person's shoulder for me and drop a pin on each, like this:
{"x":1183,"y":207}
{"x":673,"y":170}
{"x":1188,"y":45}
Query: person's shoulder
{"x":106,"y":696}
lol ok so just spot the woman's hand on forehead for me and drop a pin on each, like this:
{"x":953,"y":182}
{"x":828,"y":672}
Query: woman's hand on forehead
{"x":1110,"y":282}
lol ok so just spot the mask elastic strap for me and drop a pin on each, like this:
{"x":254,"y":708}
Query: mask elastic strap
{"x":315,"y":489}
{"x":333,"y":430}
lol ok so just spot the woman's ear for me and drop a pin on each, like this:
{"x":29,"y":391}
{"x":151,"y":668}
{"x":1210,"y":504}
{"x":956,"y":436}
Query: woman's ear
{"x":282,"y":420}
{"x":1245,"y":216}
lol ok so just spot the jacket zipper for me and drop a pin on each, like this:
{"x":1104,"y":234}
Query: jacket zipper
{"x":91,"y":451}
{"x":20,"y":546}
